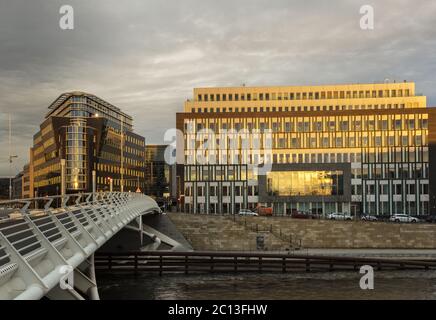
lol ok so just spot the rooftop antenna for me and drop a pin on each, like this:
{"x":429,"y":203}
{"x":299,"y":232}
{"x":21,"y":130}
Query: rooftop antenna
{"x":11,"y":157}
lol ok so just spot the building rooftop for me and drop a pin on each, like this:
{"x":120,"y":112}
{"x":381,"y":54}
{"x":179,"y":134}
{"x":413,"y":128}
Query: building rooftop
{"x":65,"y":96}
{"x":243,"y":86}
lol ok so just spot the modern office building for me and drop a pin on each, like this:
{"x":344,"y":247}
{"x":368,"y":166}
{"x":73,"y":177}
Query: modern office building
{"x":358,"y":148}
{"x":90,"y":134}
{"x":157,"y":172}
{"x":17,"y":186}
{"x":4,"y":188}
{"x":21,"y":184}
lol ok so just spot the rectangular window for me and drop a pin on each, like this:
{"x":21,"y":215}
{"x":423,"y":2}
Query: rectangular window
{"x":288,"y":127}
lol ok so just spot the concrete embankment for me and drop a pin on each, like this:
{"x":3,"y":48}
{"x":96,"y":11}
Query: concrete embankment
{"x":210,"y":232}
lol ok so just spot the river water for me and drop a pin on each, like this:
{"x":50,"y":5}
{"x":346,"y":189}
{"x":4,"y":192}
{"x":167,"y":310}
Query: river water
{"x":390,"y":285}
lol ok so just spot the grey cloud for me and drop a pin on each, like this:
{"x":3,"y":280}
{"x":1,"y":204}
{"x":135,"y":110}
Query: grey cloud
{"x":146,"y":56}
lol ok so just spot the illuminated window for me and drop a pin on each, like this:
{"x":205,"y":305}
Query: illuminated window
{"x":305,"y":183}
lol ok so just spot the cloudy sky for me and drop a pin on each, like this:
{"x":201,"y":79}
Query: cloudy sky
{"x":146,"y":56}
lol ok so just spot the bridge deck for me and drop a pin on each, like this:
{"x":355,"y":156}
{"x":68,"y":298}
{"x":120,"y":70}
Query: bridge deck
{"x":36,"y":245}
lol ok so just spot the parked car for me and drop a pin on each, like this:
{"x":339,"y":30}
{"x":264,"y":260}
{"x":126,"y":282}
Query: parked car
{"x":339,"y":216}
{"x":301,"y":215}
{"x":403,"y":218}
{"x":369,"y":218}
{"x":430,"y":219}
{"x":247,"y":212}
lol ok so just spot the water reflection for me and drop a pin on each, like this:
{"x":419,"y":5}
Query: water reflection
{"x":335,"y":285}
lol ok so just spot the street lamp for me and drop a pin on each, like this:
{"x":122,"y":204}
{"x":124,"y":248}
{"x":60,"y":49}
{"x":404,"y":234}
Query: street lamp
{"x":10,"y":174}
{"x":323,"y":186}
{"x":323,"y":202}
{"x":111,"y":184}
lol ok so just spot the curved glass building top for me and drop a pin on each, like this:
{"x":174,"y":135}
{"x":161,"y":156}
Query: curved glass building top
{"x":80,"y":104}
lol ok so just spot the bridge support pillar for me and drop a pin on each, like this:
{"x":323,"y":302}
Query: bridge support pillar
{"x":93,"y":290}
{"x":59,"y":294}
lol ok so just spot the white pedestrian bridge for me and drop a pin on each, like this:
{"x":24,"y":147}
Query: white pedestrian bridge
{"x":49,"y":252}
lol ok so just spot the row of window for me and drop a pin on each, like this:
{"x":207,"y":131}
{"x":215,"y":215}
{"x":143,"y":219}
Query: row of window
{"x":116,"y":157}
{"x":394,"y":155}
{"x":117,"y":182}
{"x":102,"y":108}
{"x":37,"y":151}
{"x":47,"y":182}
{"x":303,"y":108}
{"x":216,"y":173}
{"x":398,"y":189}
{"x":385,"y":208}
{"x":397,"y":155}
{"x":306,"y":141}
{"x":114,"y":139}
{"x":379,"y":189}
{"x":56,"y":167}
{"x":47,"y":129}
{"x":349,"y":142}
{"x":313,"y":124}
{"x":224,"y":191}
{"x":116,"y":169}
{"x":362,"y":94}
{"x":393,"y":171}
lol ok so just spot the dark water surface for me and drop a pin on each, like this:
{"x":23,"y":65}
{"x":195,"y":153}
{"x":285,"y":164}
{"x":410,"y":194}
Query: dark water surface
{"x":389,"y":285}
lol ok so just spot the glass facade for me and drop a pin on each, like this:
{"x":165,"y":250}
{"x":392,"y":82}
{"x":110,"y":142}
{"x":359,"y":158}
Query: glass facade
{"x":305,"y":183}
{"x":157,"y":172}
{"x":76,"y":155}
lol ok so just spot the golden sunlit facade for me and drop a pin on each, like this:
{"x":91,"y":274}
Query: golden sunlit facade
{"x":306,"y":98}
{"x":91,"y":135}
{"x":359,"y":148}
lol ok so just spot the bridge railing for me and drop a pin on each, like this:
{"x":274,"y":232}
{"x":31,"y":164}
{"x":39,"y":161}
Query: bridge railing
{"x":37,"y":244}
{"x":221,"y":262}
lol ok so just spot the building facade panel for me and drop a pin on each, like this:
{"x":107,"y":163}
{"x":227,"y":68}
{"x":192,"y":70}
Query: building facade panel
{"x":381,"y":151}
